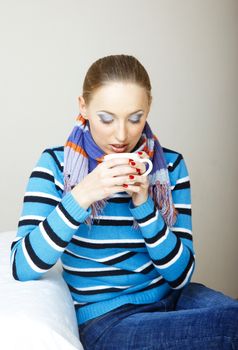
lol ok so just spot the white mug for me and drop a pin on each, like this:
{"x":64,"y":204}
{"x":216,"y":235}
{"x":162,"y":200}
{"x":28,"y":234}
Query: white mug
{"x":133,"y":156}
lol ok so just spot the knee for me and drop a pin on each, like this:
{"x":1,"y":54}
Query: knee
{"x":228,"y":319}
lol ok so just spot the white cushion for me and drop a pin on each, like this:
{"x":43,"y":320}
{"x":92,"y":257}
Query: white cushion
{"x":37,"y":314}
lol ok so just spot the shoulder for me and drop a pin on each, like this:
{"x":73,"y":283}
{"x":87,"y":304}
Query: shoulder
{"x":172,"y":157}
{"x":52,"y":158}
{"x":176,"y":165}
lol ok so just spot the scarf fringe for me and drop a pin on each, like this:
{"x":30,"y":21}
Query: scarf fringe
{"x":67,"y":186}
{"x":96,"y":208}
{"x":161,"y":195}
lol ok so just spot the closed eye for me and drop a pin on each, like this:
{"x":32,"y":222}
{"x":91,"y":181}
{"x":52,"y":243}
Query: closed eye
{"x":135,"y":119}
{"x":107,"y":119}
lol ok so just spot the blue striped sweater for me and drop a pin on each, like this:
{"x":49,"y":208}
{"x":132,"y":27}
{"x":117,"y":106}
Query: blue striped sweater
{"x":111,"y":263}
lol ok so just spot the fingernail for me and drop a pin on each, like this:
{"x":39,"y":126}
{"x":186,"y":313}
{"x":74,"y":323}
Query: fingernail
{"x":138,"y":170}
{"x":131,"y":160}
{"x":140,"y":153}
{"x":131,"y":176}
{"x":133,"y":163}
{"x":124,"y":185}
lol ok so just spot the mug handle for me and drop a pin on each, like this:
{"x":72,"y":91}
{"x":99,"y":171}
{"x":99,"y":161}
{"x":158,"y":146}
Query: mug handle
{"x":142,"y":160}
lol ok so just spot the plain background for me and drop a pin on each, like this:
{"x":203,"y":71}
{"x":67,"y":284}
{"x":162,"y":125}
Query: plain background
{"x":190,"y":50}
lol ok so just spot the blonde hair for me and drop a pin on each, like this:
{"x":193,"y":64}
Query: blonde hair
{"x":115,"y":68}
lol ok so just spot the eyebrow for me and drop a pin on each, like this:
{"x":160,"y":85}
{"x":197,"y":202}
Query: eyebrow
{"x":114,"y":115}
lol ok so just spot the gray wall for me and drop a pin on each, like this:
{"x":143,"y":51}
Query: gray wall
{"x":189,"y":48}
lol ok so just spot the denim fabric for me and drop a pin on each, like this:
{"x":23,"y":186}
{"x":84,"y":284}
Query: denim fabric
{"x":195,"y":317}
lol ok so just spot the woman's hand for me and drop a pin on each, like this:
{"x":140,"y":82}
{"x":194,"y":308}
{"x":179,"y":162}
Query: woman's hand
{"x":142,"y":182}
{"x":106,"y":179}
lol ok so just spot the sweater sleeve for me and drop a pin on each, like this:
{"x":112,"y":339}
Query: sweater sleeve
{"x":47,"y":223}
{"x":170,"y":248}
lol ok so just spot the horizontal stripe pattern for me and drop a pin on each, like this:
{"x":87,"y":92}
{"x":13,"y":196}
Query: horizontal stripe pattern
{"x":112,"y":260}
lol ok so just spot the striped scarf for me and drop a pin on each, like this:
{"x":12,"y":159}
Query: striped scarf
{"x":82,"y":155}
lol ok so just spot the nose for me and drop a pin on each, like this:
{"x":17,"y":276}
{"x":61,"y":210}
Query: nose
{"x":121,"y":133}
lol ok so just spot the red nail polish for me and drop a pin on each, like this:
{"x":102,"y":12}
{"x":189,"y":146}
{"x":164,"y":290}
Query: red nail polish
{"x":140,"y":153}
{"x":138,"y":170}
{"x":125,"y":185}
{"x":131,"y":176}
{"x":131,"y":160}
{"x":133,"y":163}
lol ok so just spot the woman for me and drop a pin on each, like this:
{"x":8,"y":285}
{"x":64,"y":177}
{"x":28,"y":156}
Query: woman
{"x":125,"y":240}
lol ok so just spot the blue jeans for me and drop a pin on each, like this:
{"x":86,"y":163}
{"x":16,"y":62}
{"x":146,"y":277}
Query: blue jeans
{"x":195,"y":317}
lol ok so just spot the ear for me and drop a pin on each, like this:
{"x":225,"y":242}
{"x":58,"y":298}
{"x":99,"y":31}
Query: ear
{"x":82,"y":107}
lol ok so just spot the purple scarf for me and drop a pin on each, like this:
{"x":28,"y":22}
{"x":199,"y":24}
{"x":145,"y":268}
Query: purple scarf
{"x":82,"y":155}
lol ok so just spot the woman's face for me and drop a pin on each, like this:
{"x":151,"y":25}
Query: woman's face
{"x":117,"y":114}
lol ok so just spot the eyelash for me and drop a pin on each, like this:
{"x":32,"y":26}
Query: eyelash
{"x":109,"y":122}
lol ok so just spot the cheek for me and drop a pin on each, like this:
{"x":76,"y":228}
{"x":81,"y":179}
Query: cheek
{"x":136,"y":130}
{"x":99,"y":131}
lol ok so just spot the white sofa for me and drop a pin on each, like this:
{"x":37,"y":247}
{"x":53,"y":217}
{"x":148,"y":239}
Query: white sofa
{"x":38,"y":314}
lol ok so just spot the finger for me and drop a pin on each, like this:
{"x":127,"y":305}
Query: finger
{"x":127,"y":191}
{"x":143,"y":154}
{"x":115,"y":162}
{"x":125,"y":181}
{"x":117,"y":180}
{"x":137,"y":180}
{"x":121,"y":171}
{"x":129,"y":188}
{"x":140,"y":167}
